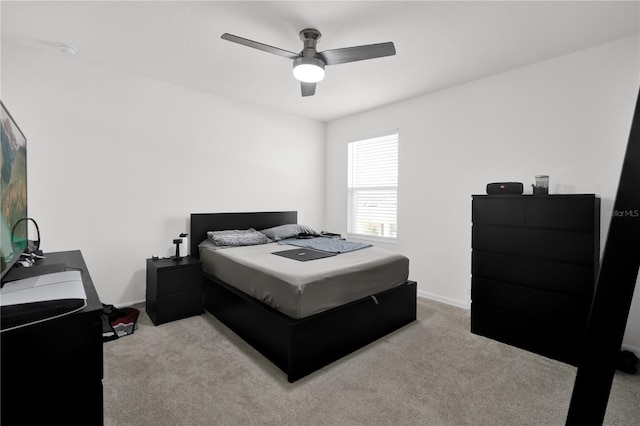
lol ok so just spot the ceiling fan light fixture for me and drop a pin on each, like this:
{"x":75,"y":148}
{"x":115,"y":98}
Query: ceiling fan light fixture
{"x":308,"y":69}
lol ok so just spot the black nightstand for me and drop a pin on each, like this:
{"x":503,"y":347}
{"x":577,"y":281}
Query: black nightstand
{"x":174,"y":289}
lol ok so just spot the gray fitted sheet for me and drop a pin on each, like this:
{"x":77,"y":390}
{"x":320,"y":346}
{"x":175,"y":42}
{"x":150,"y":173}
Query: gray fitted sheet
{"x":300,"y":289}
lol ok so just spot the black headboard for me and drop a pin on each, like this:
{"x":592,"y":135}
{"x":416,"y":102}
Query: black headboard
{"x":201,"y":223}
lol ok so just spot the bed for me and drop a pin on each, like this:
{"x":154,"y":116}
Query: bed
{"x":301,"y":341}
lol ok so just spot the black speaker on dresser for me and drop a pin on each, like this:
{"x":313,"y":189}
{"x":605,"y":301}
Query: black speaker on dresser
{"x":534,"y":267}
{"x":505,"y":188}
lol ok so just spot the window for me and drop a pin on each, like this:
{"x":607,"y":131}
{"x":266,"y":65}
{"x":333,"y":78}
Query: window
{"x":373,"y":187}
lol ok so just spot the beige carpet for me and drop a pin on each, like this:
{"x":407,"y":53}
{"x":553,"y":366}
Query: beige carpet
{"x":432,"y":372}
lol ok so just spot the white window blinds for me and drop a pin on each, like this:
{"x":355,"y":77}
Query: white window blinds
{"x":373,"y":187}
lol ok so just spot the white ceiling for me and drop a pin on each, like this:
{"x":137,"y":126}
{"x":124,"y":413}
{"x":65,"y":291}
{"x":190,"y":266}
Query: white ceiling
{"x":439,"y":44}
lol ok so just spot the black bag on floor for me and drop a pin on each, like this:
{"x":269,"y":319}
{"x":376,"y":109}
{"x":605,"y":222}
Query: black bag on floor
{"x":627,"y":362}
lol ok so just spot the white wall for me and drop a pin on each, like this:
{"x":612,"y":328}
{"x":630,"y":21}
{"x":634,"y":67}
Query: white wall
{"x":116,"y":163}
{"x":568,"y":117}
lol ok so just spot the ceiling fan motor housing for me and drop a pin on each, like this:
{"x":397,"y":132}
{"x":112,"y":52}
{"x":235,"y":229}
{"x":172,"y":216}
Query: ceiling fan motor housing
{"x":310,"y":37}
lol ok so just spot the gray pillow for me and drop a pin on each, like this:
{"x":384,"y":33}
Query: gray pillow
{"x":236,"y":238}
{"x":283,"y":232}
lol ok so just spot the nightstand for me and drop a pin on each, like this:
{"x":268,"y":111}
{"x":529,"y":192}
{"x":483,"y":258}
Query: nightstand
{"x":174,"y":289}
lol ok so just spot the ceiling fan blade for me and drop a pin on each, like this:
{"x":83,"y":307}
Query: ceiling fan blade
{"x":308,"y":89}
{"x":260,"y":46}
{"x":357,"y":53}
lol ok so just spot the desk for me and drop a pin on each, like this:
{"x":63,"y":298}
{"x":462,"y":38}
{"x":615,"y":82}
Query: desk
{"x":52,"y":371}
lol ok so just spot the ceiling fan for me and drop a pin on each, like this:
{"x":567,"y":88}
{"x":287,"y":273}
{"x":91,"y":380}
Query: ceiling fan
{"x":308,"y":65}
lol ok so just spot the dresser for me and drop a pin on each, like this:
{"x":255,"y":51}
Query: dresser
{"x":52,"y":370}
{"x":534,"y":268}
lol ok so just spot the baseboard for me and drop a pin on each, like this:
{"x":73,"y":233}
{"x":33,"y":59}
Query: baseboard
{"x":129,"y":304}
{"x":447,"y":300}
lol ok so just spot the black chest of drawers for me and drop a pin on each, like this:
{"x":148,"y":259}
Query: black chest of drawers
{"x":534,"y":267}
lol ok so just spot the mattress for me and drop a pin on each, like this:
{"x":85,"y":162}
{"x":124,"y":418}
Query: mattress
{"x":300,"y":289}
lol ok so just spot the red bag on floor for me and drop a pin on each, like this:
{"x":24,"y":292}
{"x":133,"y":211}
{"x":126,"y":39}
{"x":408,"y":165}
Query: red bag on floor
{"x":118,"y":322}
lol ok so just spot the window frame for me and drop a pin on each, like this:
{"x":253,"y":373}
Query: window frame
{"x":351,"y":215}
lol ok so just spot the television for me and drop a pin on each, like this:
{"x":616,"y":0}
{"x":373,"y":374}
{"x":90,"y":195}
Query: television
{"x":13,"y":192}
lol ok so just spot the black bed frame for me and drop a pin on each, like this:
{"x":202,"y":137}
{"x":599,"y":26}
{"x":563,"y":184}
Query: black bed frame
{"x":297,"y":346}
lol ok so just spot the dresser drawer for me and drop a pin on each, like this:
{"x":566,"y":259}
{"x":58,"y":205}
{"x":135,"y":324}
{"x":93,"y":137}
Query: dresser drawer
{"x":177,"y":306}
{"x":179,"y":280}
{"x":541,"y":273}
{"x":553,"y":339}
{"x":498,"y":210}
{"x":557,"y":245}
{"x":572,"y":213}
{"x":532,"y":302}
